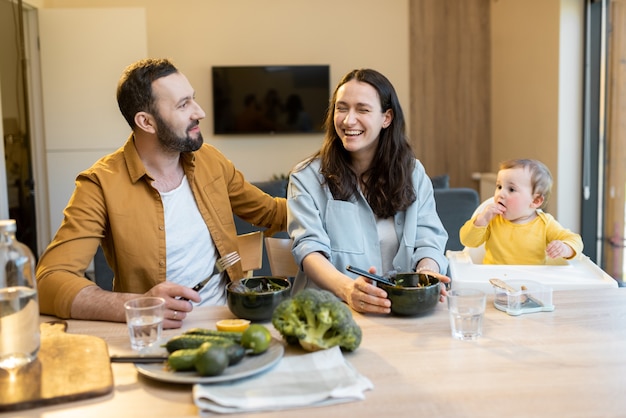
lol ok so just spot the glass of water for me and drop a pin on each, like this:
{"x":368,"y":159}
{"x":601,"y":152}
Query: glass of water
{"x":467,"y":309}
{"x":144,"y":317}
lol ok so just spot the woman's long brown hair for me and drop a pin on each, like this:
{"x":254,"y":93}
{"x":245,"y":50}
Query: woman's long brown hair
{"x":388,"y":185}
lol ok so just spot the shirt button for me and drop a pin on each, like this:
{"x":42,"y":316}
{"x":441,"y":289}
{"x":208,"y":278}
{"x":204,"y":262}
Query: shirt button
{"x":161,"y":228}
{"x":161,"y":263}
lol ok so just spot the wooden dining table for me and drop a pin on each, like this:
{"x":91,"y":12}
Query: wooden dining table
{"x":570,"y":362}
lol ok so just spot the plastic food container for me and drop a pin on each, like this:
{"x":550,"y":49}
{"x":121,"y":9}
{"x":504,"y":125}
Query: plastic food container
{"x":534,"y":298}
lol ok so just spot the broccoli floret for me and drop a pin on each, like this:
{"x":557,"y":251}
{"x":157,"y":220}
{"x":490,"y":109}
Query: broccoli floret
{"x":317,"y":320}
{"x":287,"y":318}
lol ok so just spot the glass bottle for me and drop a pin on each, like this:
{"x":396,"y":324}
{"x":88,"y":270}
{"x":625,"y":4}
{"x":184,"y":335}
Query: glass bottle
{"x":19,"y":308}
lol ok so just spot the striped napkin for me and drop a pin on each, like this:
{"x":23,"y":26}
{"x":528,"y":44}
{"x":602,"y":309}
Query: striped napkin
{"x":313,"y":379}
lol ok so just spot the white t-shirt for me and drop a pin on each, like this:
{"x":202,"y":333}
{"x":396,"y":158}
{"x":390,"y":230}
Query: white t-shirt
{"x":389,"y":244}
{"x":191,"y":252}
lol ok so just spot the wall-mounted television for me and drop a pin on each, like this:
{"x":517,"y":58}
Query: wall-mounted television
{"x":273,"y":99}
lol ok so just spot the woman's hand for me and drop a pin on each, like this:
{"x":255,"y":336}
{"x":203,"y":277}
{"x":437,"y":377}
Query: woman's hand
{"x":360,"y":293}
{"x":363,"y":296}
{"x":443,"y":279}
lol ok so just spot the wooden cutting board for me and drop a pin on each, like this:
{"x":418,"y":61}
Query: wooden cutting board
{"x":69,"y":367}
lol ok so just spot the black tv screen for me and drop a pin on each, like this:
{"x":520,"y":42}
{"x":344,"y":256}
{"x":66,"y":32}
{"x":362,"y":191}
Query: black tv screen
{"x":270,"y":99}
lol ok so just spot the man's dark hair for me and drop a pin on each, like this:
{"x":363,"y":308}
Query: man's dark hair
{"x":134,"y":90}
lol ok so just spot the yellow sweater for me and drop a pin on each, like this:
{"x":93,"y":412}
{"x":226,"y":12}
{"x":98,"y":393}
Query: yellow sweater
{"x":511,"y":243}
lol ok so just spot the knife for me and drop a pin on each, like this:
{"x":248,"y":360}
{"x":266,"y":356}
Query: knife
{"x":156,"y":358}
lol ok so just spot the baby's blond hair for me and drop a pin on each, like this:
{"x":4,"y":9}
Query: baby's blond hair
{"x":540,"y":176}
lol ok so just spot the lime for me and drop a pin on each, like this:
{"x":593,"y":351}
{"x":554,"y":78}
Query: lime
{"x":211,"y":359}
{"x":256,"y":338}
{"x":232,"y":325}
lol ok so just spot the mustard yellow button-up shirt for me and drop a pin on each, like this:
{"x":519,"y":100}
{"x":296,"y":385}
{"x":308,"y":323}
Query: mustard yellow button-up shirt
{"x":115,"y":205}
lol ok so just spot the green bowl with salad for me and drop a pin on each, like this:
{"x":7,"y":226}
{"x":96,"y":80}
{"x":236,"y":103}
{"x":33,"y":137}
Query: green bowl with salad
{"x":255,"y":298}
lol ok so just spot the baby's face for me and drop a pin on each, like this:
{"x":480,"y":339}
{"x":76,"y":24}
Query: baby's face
{"x":514,"y":193}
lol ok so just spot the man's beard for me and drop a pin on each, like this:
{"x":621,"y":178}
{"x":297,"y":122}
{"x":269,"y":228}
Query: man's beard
{"x":170,"y":141}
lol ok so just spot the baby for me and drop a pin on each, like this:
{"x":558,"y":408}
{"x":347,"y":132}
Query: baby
{"x":514,"y":228}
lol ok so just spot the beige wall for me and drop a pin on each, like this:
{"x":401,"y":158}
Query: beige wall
{"x":198,"y":34}
{"x":535,"y":66}
{"x":8,"y":69}
{"x":536,"y":97}
{"x":4,"y":204}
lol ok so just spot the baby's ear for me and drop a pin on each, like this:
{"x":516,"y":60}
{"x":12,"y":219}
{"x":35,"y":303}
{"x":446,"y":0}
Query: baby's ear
{"x":537,"y":201}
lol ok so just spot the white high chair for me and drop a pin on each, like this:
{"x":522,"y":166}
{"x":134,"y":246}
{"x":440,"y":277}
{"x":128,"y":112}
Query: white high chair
{"x":467,"y":270}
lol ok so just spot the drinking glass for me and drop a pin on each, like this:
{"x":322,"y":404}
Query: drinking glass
{"x":467,"y":309}
{"x":144,"y":317}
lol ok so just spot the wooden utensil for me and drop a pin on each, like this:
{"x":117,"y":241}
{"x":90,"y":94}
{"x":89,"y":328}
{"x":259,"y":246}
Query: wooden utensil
{"x":503,"y":285}
{"x":523,"y":299}
{"x":68,"y":368}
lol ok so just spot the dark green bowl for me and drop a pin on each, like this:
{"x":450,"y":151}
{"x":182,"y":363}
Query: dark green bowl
{"x":413,"y":294}
{"x":255,"y":298}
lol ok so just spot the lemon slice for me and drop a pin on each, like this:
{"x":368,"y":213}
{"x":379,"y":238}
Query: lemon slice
{"x":237,"y":325}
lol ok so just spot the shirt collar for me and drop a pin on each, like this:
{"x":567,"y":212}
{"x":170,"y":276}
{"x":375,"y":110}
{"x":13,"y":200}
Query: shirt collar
{"x":137,"y":170}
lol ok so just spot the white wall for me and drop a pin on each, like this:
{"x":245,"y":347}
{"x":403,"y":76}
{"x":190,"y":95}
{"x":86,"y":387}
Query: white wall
{"x":571,"y":104}
{"x":535,"y":86}
{"x":76,"y":127}
{"x":197,"y":34}
{"x":537,"y":92}
{"x":81,"y":118}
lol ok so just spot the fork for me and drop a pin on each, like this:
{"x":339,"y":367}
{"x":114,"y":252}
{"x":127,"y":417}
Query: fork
{"x":221,"y":264}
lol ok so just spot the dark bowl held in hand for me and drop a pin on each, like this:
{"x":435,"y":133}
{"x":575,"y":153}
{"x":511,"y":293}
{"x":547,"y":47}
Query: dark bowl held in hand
{"x":255,"y":298}
{"x":413,"y":294}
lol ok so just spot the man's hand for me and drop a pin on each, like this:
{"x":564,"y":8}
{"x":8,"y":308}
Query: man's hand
{"x":176,"y":308}
{"x":94,"y":303}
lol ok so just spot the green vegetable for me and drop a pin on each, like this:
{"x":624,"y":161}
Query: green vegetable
{"x":211,"y":360}
{"x":256,"y":338}
{"x":183,"y":360}
{"x":194,"y":341}
{"x":235,"y":353}
{"x":317,"y":320}
{"x":233,"y":335}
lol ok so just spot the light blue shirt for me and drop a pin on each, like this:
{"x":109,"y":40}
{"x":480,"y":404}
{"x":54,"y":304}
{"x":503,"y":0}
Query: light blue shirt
{"x":346,"y":233}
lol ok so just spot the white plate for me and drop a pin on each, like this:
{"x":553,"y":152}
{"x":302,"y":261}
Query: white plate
{"x":248,"y":366}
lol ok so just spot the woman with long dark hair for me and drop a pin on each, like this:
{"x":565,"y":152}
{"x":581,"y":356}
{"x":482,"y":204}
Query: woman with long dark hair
{"x":363,"y":199}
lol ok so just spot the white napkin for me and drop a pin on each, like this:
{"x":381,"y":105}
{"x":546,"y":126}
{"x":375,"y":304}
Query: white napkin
{"x":312,"y":379}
